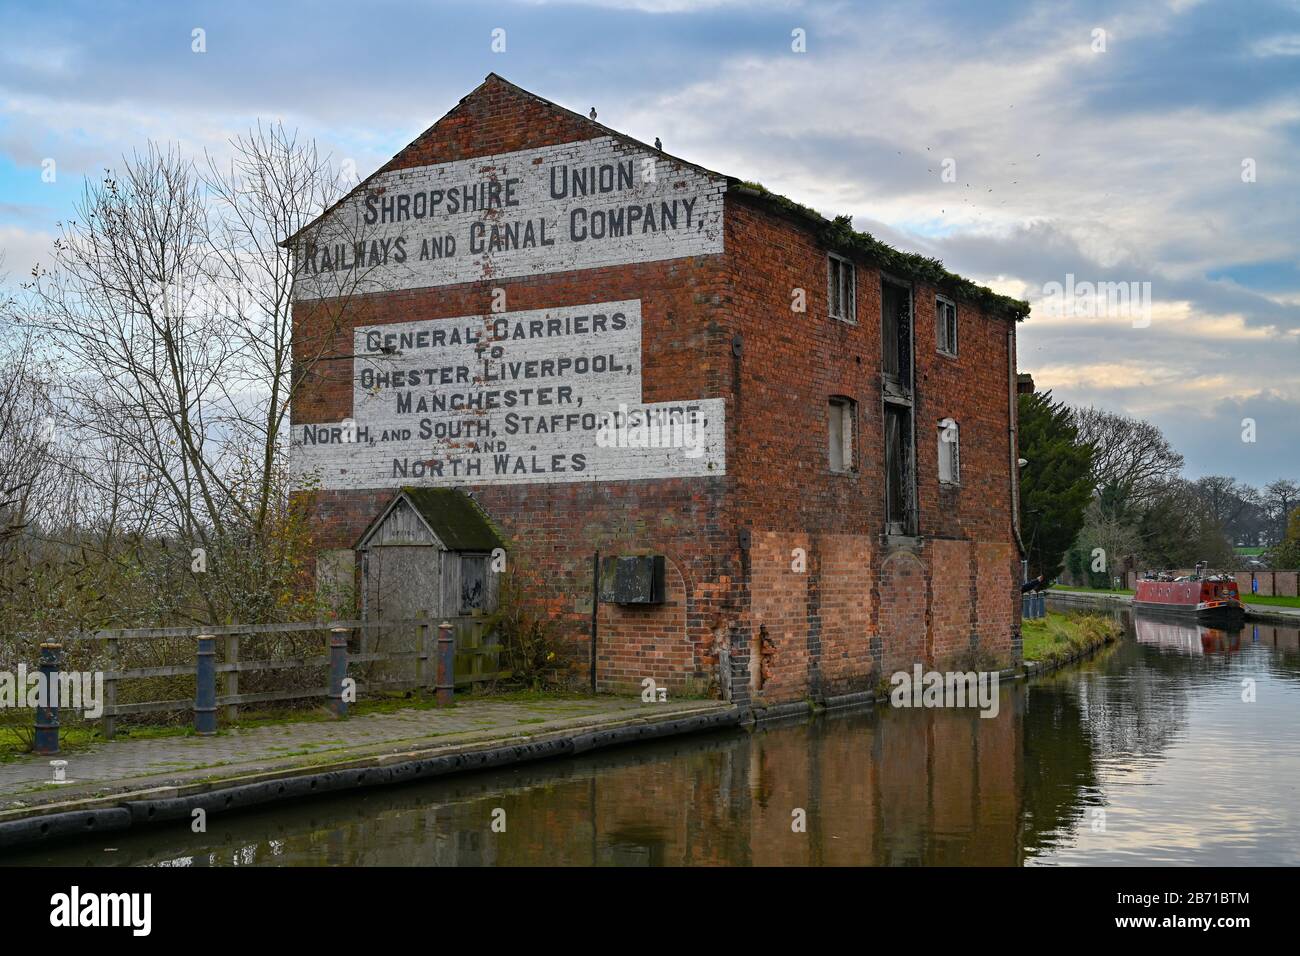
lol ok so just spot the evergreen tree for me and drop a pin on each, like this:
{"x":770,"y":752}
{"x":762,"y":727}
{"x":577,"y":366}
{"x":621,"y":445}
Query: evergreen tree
{"x":1056,"y":484}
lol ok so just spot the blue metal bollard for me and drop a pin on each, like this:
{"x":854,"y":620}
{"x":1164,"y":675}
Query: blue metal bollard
{"x":47,"y":712}
{"x":205,"y":689}
{"x":446,"y":687}
{"x":337,"y":705}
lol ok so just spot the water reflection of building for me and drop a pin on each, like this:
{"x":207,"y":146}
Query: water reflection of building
{"x":883,"y":787}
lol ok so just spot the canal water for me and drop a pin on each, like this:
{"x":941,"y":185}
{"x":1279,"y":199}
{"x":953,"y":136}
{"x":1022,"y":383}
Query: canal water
{"x":1152,"y":752}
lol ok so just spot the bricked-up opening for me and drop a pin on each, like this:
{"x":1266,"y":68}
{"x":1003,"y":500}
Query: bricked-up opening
{"x":896,"y":334}
{"x":900,"y":501}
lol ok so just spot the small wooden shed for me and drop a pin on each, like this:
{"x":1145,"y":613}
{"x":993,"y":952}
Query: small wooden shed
{"x":428,"y":554}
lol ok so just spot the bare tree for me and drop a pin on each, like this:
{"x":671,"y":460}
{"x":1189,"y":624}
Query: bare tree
{"x":1280,"y":498}
{"x":1225,"y":499}
{"x":1133,"y":460}
{"x":169,"y":303}
{"x":271,"y":189}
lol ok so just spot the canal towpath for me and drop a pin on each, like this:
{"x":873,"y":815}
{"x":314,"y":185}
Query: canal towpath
{"x":109,"y":784}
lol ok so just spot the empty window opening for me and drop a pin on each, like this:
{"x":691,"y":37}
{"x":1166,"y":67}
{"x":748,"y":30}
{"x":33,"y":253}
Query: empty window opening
{"x":896,"y":333}
{"x":900,"y":501}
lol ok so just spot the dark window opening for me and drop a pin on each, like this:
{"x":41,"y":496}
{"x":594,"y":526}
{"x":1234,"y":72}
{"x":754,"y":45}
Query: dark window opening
{"x":896,"y":333}
{"x":473,"y":583}
{"x":900,"y":506}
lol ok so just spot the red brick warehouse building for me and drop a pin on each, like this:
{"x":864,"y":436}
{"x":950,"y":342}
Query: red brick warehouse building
{"x":607,"y":347}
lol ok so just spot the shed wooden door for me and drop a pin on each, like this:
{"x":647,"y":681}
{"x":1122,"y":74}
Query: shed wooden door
{"x":402,"y":582}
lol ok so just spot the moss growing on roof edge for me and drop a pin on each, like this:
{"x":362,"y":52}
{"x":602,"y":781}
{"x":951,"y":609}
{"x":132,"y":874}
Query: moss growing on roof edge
{"x":838,"y":234}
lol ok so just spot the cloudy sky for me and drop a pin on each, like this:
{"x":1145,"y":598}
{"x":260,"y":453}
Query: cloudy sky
{"x":1136,"y":142}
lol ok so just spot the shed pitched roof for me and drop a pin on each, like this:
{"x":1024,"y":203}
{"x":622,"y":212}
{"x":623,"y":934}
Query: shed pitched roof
{"x":454,"y":517}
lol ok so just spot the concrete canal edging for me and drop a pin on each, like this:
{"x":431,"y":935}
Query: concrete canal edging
{"x":130,"y":808}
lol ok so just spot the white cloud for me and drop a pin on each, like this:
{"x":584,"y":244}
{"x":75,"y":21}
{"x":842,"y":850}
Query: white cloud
{"x":1281,"y":45}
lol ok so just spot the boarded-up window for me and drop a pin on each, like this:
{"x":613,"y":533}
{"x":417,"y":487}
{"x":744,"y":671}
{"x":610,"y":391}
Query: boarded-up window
{"x":840,"y":414}
{"x":949,"y":452}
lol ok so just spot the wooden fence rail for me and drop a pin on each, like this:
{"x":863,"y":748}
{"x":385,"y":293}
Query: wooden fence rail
{"x":477,"y":659}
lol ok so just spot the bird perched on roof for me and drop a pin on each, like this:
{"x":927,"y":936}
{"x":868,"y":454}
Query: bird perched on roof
{"x":592,"y":114}
{"x":658,"y":145}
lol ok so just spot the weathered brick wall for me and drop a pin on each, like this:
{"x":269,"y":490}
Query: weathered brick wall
{"x":952,"y":620}
{"x":790,"y":364}
{"x":997,"y":616}
{"x":904,"y":605}
{"x":779,"y":597}
{"x":850,"y":615}
{"x":846,"y":603}
{"x":553,"y":529}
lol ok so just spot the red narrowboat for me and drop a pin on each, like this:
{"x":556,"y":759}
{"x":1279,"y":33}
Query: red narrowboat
{"x":1206,"y":597}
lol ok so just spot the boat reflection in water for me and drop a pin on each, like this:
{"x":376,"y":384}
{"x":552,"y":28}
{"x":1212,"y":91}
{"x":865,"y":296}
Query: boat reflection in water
{"x":1185,"y":636}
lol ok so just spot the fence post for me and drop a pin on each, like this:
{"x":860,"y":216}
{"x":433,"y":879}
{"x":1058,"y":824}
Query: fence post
{"x":232,"y":676}
{"x":110,"y":688}
{"x":338,"y":706}
{"x":446,"y":688}
{"x":205,"y":690}
{"x":47,"y":710}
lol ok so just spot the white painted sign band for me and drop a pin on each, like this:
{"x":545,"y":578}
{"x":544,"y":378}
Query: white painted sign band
{"x":580,"y":205}
{"x":544,"y":395}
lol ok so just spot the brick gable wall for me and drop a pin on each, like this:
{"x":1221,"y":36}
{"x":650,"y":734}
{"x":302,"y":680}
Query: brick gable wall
{"x":720,"y":326}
